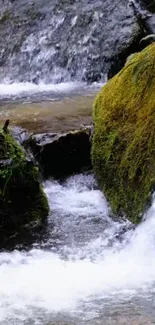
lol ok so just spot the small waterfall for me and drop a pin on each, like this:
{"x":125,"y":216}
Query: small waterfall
{"x":85,"y":262}
{"x":62,"y":41}
{"x":88,"y":261}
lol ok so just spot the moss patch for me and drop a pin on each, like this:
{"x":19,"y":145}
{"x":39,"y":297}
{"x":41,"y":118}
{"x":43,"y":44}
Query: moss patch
{"x":123,"y":151}
{"x":22,"y":200}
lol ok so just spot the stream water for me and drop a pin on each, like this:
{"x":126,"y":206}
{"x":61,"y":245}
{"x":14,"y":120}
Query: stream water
{"x":47,"y":108}
{"x":88,"y":268}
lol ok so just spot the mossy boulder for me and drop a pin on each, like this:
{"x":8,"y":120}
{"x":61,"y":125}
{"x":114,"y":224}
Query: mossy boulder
{"x":23,"y":203}
{"x":123,"y":150}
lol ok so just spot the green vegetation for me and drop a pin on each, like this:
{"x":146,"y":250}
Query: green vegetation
{"x":123,"y":151}
{"x":5,"y":16}
{"x":22,"y":200}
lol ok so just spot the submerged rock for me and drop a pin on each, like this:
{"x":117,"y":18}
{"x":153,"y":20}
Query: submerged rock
{"x":23,"y":203}
{"x":60,"y":155}
{"x":123,"y":151}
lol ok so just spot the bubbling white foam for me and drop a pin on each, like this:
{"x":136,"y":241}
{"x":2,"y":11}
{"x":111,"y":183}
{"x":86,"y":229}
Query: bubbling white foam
{"x":43,"y":279}
{"x":28,"y":89}
{"x":31,"y":88}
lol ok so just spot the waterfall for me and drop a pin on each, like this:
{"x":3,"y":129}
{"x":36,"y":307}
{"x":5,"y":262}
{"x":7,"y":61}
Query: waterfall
{"x":87,"y":260}
{"x":62,"y":41}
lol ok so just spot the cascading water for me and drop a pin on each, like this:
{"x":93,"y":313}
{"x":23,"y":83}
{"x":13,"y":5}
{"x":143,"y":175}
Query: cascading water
{"x":66,"y":43}
{"x":62,"y":41}
{"x":87,"y":267}
{"x":86,"y":263}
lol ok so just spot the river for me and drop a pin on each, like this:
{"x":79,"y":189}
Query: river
{"x":86,"y":266}
{"x":47,"y":108}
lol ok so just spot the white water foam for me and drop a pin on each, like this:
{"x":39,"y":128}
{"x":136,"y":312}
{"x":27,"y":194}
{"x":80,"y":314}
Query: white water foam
{"x":76,"y":197}
{"x":43,"y":279}
{"x":27,"y":89}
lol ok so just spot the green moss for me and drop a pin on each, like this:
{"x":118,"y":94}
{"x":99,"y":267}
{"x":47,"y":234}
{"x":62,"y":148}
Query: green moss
{"x":5,"y":16}
{"x":11,"y":155}
{"x":10,"y":148}
{"x":123,"y":151}
{"x":22,"y":200}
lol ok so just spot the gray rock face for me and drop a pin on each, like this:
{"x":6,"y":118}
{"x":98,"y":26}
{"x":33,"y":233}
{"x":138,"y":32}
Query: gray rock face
{"x":144,"y":11}
{"x":63,"y":40}
{"x":148,"y":5}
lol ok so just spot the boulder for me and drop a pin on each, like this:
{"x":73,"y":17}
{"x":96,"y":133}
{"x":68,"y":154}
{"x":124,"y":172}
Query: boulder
{"x":144,"y":15}
{"x":60,"y":155}
{"x":123,"y":150}
{"x":23,"y":204}
{"x":53,"y":40}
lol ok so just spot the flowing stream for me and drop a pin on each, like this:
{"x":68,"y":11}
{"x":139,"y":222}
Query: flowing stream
{"x":47,"y":108}
{"x":88,"y":268}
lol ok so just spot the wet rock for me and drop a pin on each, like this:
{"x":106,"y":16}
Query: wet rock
{"x":145,"y":41}
{"x":145,"y":19}
{"x":148,"y":5}
{"x":19,"y":134}
{"x":23,"y":204}
{"x":55,"y":41}
{"x":61,"y":155}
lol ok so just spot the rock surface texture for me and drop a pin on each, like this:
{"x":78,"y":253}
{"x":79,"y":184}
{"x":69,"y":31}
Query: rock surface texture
{"x":123,"y":152}
{"x":148,"y":5}
{"x":23,"y":203}
{"x":60,"y":155}
{"x":56,"y":40}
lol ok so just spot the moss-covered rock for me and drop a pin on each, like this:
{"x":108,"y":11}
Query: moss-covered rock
{"x":22,"y":200}
{"x":123,"y":151}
